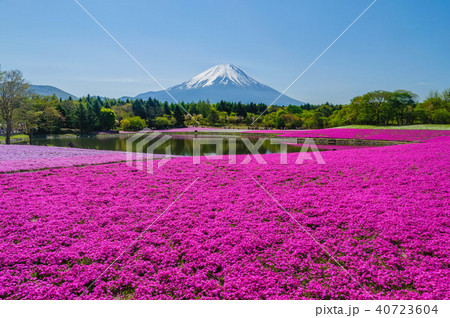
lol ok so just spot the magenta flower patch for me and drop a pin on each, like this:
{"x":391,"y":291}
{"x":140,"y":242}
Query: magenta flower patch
{"x":25,"y":158}
{"x":380,"y":213}
{"x":367,"y":134}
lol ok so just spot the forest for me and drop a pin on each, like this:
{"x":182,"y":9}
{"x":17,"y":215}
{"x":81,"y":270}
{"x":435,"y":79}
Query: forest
{"x":23,"y":112}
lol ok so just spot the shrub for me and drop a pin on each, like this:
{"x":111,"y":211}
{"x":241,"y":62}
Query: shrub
{"x":163,"y":122}
{"x":132,"y":123}
{"x":107,"y":118}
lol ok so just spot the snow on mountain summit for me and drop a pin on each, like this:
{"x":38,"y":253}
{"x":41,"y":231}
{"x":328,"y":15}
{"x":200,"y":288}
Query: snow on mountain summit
{"x":222,"y":82}
{"x":222,"y":74}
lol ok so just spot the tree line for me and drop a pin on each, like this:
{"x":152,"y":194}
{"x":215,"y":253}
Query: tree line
{"x":29,"y":113}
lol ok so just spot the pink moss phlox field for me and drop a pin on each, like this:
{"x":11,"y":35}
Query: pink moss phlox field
{"x":367,"y":134}
{"x":382,"y":212}
{"x":23,"y":152}
{"x":24,"y":157}
{"x":328,"y":147}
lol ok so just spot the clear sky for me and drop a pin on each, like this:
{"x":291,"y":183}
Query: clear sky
{"x":396,"y":44}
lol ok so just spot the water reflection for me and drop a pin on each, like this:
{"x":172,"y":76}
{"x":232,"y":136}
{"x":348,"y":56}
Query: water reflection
{"x":180,"y":145}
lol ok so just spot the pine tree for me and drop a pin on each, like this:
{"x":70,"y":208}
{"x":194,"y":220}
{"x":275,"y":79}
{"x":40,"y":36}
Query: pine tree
{"x":97,"y":106}
{"x":213,"y":116}
{"x":166,"y":108}
{"x":81,"y":120}
{"x":92,"y":118}
{"x":138,"y":108}
{"x":179,"y":116}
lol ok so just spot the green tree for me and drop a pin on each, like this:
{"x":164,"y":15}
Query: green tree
{"x":29,"y":118}
{"x":13,"y":94}
{"x":49,"y":120}
{"x":132,"y":123}
{"x":93,"y":121}
{"x":441,"y":116}
{"x":290,"y":121}
{"x":163,"y":122}
{"x":401,"y":104}
{"x":436,"y":107}
{"x":213,"y":116}
{"x":68,"y":110}
{"x":373,"y":105}
{"x":107,"y":118}
{"x":280,"y":123}
{"x":167,"y":109}
{"x":192,"y":108}
{"x":203,"y":108}
{"x":153,"y":109}
{"x":97,"y":106}
{"x":312,"y":120}
{"x":138,"y":108}
{"x":82,"y":120}
{"x":269,"y":119}
{"x":250,"y":118}
{"x":179,"y":117}
{"x":123,"y":111}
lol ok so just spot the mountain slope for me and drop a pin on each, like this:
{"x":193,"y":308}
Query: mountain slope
{"x":47,"y":90}
{"x":222,"y":82}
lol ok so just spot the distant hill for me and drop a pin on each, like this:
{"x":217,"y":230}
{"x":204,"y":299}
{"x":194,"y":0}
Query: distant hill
{"x":47,"y":90}
{"x":222,"y":82}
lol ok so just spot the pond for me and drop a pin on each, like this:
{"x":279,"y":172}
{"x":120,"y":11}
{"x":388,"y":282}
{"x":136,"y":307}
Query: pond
{"x":180,"y":145}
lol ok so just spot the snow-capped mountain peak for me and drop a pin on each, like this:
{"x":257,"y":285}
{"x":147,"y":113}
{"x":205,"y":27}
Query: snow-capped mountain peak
{"x":222,"y":82}
{"x":222,"y":74}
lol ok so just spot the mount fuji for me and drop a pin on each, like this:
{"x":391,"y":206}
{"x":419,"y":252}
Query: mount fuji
{"x":222,"y":82}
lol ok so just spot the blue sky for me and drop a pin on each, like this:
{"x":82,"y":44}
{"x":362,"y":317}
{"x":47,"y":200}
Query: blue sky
{"x":396,"y":44}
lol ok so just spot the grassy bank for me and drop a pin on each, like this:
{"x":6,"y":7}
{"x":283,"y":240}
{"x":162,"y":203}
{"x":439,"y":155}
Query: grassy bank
{"x":15,"y":138}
